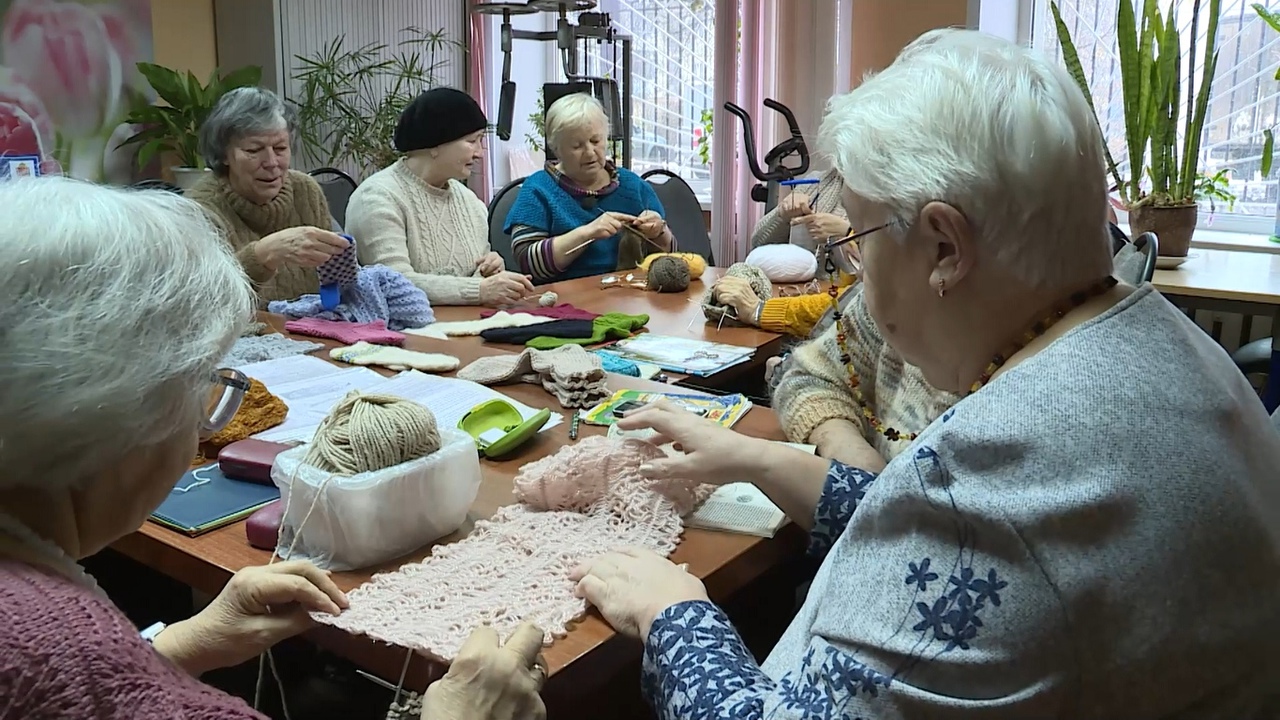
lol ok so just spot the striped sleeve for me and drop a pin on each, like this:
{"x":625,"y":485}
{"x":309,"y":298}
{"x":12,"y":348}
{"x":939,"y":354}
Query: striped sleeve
{"x":533,"y":250}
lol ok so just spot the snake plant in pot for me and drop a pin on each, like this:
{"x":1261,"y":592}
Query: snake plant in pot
{"x":1164,"y":171}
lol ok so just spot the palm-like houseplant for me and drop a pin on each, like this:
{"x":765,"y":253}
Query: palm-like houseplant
{"x":1150,"y":50}
{"x":174,"y":127}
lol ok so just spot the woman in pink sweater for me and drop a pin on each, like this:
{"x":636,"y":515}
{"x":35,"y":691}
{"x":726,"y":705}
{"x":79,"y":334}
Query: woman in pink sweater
{"x":114,"y":311}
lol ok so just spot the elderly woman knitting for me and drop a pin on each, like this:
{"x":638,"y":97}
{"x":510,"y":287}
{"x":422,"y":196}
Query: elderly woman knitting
{"x":582,"y":215}
{"x":276,"y":219}
{"x":107,"y":386}
{"x":1030,"y":555}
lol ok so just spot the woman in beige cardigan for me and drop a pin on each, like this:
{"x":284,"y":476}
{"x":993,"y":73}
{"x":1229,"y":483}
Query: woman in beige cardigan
{"x":276,"y":219}
{"x":418,"y":218}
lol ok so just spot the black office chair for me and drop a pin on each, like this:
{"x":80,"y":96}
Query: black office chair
{"x":157,"y":184}
{"x":684,"y":212}
{"x":1118,"y":238}
{"x":1149,"y":246}
{"x":337,"y":187}
{"x":1254,"y":358}
{"x":499,"y":240}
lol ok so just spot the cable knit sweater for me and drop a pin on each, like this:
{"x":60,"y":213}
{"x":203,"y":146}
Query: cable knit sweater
{"x":816,"y":388}
{"x":299,"y":203}
{"x":773,"y":229}
{"x":433,"y":236}
{"x":67,"y":652}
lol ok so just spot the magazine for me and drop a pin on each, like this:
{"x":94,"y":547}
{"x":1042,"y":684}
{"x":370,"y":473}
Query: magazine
{"x":682,"y":355}
{"x":726,"y":410}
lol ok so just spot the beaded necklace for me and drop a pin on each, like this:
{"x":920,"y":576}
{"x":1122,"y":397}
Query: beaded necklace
{"x":1040,"y":327}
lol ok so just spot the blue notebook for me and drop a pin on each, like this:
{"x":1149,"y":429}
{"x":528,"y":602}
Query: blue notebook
{"x":205,"y":499}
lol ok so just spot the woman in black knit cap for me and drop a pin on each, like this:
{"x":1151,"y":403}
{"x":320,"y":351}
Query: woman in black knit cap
{"x":417,"y":216}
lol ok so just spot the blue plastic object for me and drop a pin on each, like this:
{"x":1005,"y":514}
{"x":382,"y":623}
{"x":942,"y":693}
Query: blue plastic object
{"x":334,"y":273}
{"x":799,"y":181}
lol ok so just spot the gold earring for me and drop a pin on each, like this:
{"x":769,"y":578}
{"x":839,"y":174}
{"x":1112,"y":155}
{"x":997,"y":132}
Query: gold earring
{"x":942,"y":288}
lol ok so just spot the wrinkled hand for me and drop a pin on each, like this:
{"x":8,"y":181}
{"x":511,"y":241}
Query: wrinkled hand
{"x":633,"y":586}
{"x":824,"y":225}
{"x":650,"y":224}
{"x":794,"y":205}
{"x":491,"y":682}
{"x":504,"y":288}
{"x":304,"y":246}
{"x":712,"y":453}
{"x":771,"y":367}
{"x":736,"y":292}
{"x":608,"y":225}
{"x":259,"y":607}
{"x":491,"y":264}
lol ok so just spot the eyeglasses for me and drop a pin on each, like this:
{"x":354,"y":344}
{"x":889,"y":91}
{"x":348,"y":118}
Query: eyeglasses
{"x":225,"y":395}
{"x":845,"y":254}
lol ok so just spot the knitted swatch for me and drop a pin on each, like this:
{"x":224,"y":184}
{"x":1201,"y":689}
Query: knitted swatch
{"x":515,"y":567}
{"x":256,"y":348}
{"x":564,"y":329}
{"x":564,"y":311}
{"x":394,"y":358}
{"x":575,"y":376}
{"x":375,"y":332}
{"x":611,"y":326}
{"x":379,"y":293}
{"x":716,"y":311}
{"x":259,"y":411}
{"x":464,"y":328}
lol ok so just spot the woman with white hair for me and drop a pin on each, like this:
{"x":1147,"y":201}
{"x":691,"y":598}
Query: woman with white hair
{"x":1083,"y":535}
{"x":582,"y":215}
{"x":276,"y":219}
{"x":114,"y":312}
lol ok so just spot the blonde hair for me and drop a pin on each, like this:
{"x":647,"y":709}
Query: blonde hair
{"x":573,"y":112}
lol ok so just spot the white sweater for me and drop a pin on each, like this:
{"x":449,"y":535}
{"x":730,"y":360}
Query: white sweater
{"x":433,"y":236}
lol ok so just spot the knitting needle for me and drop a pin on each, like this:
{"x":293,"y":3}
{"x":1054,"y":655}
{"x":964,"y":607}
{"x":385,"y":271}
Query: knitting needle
{"x":573,"y":426}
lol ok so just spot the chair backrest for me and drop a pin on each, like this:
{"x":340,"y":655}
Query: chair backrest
{"x":338,"y":187}
{"x":157,"y":184}
{"x":499,"y":240}
{"x":1149,"y":246}
{"x":684,"y":212}
{"x":1118,"y":238}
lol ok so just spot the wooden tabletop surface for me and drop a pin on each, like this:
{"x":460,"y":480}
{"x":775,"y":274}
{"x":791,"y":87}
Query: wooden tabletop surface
{"x":1224,"y":275}
{"x":726,"y":562}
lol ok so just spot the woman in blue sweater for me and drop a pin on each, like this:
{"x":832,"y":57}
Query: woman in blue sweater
{"x":577,"y":217}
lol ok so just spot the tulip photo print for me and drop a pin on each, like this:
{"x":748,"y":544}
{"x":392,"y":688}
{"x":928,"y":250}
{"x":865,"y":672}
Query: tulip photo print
{"x":68,"y":77}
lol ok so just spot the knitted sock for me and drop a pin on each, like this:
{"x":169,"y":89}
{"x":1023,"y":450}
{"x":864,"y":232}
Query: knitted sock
{"x":462,"y":328}
{"x":611,"y":326}
{"x":375,"y":332}
{"x":564,"y":311}
{"x":555,"y":328}
{"x":362,"y":353}
{"x":498,"y":369}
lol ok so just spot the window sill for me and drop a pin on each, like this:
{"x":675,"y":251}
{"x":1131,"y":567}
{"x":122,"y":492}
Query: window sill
{"x":1225,"y":240}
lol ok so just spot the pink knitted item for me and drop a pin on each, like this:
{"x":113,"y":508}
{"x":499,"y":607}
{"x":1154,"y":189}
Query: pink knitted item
{"x":375,"y":332}
{"x":515,"y":567}
{"x":559,"y":312}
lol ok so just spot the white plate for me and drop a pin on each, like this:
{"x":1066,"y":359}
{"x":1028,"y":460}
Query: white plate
{"x":1170,"y":263}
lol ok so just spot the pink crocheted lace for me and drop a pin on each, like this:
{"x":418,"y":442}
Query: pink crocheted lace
{"x":515,"y":567}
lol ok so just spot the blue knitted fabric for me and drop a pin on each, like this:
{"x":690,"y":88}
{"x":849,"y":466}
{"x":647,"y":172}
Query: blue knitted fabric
{"x":617,"y":365}
{"x":379,"y":293}
{"x":544,"y":205}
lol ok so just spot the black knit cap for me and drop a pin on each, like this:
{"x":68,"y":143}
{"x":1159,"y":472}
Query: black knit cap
{"x":438,"y":116}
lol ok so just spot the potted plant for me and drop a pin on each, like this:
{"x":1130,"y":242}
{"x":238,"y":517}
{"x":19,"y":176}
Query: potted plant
{"x":1150,"y":49}
{"x":174,"y":128}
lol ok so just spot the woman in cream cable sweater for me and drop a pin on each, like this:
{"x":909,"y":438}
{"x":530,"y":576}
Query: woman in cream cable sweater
{"x":418,"y":218}
{"x":821,"y":214}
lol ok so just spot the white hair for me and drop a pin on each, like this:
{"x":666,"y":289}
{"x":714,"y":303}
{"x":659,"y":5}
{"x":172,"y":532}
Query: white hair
{"x":115,"y":306}
{"x":241,"y":112}
{"x":573,"y":112}
{"x":996,"y":131}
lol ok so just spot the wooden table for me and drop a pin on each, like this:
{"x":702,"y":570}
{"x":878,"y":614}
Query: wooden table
{"x":1231,"y":281}
{"x":591,"y":655}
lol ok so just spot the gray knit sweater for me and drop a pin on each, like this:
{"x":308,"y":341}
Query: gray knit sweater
{"x":1085,"y":537}
{"x":773,"y":229}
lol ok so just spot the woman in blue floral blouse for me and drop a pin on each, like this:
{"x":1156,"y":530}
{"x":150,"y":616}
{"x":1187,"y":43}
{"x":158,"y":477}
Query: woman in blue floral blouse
{"x":1030,"y":555}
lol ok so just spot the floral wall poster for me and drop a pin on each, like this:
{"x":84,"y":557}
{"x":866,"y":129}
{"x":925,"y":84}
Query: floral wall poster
{"x":68,"y":77}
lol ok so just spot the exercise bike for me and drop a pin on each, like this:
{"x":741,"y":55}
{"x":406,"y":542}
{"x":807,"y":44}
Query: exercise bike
{"x":778,"y":172}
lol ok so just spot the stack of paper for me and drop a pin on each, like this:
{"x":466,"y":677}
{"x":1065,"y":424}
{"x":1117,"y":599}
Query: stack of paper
{"x":741,"y":508}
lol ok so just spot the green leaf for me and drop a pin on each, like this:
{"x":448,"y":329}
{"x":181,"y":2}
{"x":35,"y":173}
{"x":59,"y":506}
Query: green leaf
{"x":167,"y":83}
{"x":1268,"y":151}
{"x":1272,"y":19}
{"x":1070,"y":57}
{"x":248,"y":76}
{"x":147,"y":152}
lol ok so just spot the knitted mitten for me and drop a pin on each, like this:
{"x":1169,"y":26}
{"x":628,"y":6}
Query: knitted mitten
{"x":498,"y":369}
{"x":375,"y":332}
{"x":578,"y":329}
{"x":362,"y":353}
{"x":500,"y":319}
{"x":611,"y":326}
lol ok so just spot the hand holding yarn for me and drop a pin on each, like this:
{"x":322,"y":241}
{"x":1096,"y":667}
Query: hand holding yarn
{"x":736,"y":292}
{"x":504,"y":288}
{"x":824,"y":225}
{"x":607,"y":225}
{"x":650,"y":224}
{"x":303,"y":246}
{"x":634,"y":586}
{"x":491,"y":681}
{"x":794,"y":205}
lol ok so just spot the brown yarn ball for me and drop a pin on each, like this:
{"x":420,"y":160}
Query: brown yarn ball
{"x":669,"y":275}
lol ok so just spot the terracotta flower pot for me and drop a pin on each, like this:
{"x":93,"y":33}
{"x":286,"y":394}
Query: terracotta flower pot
{"x":1173,"y":226}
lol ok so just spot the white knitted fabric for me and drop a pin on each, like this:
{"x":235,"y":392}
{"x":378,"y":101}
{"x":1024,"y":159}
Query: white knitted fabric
{"x":463,"y":328}
{"x":394,"y":358}
{"x":432,"y":236}
{"x":515,"y":567}
{"x":257,"y":348}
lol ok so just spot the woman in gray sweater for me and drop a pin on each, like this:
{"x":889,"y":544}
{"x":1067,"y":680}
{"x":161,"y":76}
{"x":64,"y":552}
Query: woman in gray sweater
{"x":1083,"y":535}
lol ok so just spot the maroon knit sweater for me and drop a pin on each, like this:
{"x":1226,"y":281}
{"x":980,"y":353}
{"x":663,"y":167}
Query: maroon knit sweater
{"x":67,"y":652}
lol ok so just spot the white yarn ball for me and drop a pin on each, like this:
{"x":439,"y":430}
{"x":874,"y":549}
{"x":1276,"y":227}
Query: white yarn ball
{"x":784,"y":263}
{"x":548,"y":299}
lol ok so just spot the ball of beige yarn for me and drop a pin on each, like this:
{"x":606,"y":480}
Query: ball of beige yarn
{"x":714,"y":310}
{"x":669,"y":275}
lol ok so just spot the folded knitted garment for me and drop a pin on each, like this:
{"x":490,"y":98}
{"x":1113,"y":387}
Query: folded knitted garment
{"x":575,"y":376}
{"x":375,"y":332}
{"x":257,"y":348}
{"x":462,"y":328}
{"x":394,"y":358}
{"x":379,"y":293}
{"x":617,"y":365}
{"x":564,"y":311}
{"x":610,"y":326}
{"x":564,"y":329}
{"x":584,"y":500}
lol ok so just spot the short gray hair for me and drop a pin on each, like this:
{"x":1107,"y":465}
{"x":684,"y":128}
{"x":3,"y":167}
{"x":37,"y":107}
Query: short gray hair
{"x":573,"y":112}
{"x":994,"y":129}
{"x":114,"y":311}
{"x":243,"y":111}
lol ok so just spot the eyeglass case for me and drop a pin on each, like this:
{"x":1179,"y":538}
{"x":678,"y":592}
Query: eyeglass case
{"x":250,"y":460}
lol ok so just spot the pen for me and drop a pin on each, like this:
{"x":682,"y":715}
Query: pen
{"x":573,"y":426}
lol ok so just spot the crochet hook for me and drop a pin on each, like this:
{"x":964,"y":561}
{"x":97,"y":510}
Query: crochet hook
{"x":573,"y":426}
